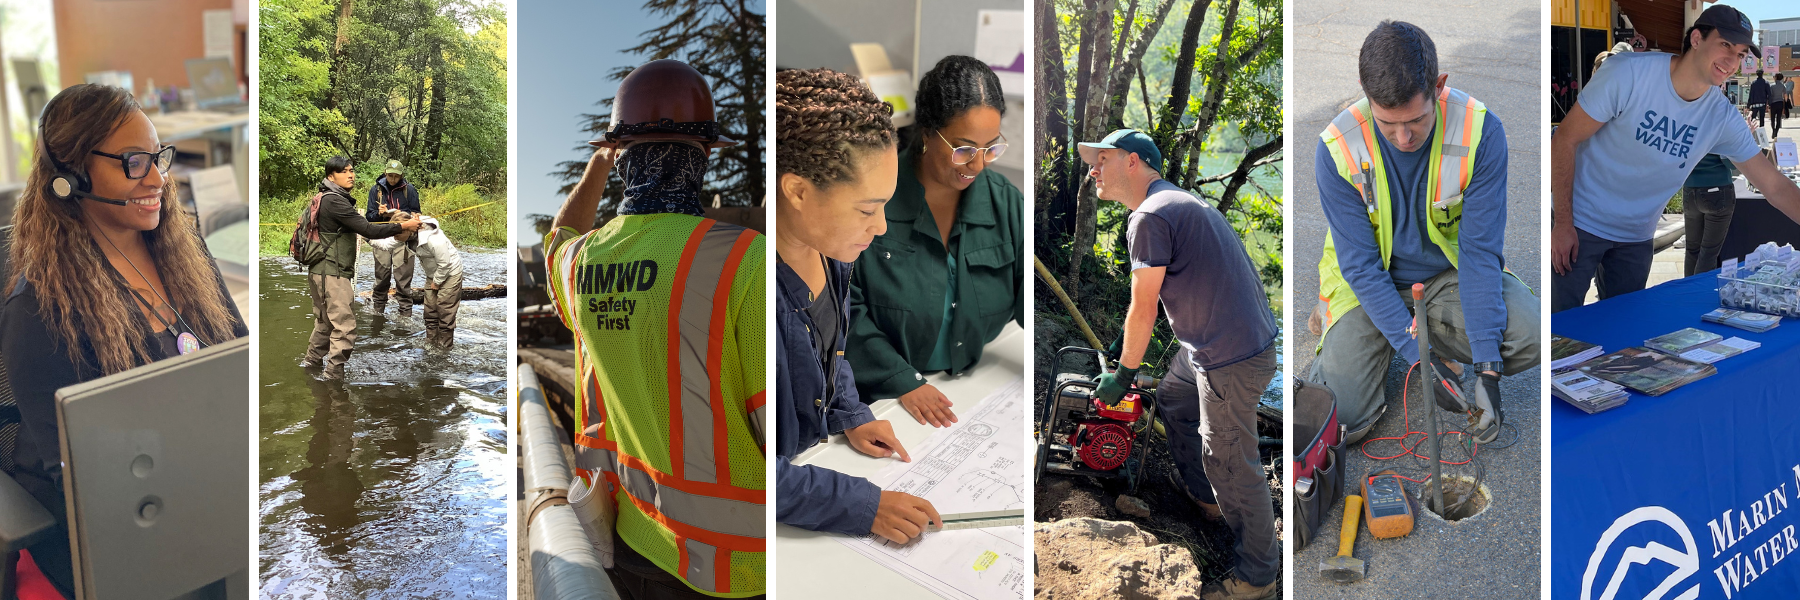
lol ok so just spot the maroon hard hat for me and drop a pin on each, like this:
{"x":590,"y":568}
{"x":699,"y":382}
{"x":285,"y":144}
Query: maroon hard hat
{"x":663,"y":100}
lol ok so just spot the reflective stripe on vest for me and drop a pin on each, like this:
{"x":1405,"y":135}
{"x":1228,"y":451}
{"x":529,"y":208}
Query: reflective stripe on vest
{"x":1350,"y":138}
{"x":695,"y":502}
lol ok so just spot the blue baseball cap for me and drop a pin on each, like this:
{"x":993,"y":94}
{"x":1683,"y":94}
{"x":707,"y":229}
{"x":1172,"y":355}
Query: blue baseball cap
{"x":1129,"y":140}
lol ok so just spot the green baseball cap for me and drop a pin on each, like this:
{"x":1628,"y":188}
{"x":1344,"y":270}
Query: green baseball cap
{"x":395,"y":168}
{"x":1129,"y":140}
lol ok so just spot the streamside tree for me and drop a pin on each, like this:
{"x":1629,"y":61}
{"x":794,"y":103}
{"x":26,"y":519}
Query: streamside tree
{"x":723,"y":40}
{"x":1201,"y":76}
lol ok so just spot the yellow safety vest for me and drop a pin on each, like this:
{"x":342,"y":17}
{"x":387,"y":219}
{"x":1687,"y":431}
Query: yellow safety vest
{"x":1351,"y":139}
{"x":668,"y":313}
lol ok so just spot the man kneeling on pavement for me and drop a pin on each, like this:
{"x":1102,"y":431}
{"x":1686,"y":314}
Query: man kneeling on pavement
{"x":1412,"y":180}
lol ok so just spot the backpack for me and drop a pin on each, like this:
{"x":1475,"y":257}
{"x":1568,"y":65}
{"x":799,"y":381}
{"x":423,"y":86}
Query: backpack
{"x":307,"y":246}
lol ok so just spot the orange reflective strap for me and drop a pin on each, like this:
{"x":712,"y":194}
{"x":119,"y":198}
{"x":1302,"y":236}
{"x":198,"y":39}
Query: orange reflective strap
{"x":1469,"y":126}
{"x":1344,"y":148}
{"x":716,"y":490}
{"x":684,"y":530}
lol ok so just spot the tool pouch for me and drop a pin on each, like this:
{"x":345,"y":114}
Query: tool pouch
{"x":1321,"y":460}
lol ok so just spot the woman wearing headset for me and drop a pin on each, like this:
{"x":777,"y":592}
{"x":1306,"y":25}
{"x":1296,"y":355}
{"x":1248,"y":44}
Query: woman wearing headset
{"x":107,"y":273}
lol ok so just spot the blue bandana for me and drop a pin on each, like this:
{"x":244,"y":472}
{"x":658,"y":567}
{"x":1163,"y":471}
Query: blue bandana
{"x":662,"y":177}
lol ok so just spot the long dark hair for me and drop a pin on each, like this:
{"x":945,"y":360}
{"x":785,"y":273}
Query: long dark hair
{"x":52,"y":248}
{"x":957,"y":84}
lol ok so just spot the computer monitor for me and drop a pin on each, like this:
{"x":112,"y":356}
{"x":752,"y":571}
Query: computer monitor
{"x":156,"y":469}
{"x":214,"y":82}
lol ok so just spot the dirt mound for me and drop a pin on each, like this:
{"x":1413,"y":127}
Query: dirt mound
{"x":1092,"y":558}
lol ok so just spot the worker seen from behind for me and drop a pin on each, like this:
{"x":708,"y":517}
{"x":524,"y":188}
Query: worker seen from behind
{"x":667,"y":310}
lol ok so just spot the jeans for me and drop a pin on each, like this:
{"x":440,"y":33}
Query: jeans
{"x":1708,"y":214}
{"x":1210,"y":417}
{"x":1616,"y":267}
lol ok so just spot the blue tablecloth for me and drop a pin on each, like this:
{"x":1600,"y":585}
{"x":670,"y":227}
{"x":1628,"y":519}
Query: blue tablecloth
{"x":1640,"y":493}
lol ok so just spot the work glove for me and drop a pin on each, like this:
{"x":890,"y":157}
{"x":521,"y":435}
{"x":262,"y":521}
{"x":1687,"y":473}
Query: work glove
{"x":1112,"y":385}
{"x":1116,"y":349}
{"x":1485,"y":416}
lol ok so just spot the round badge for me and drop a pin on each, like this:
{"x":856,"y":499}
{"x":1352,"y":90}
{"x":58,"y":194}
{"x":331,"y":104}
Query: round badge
{"x":186,"y":342}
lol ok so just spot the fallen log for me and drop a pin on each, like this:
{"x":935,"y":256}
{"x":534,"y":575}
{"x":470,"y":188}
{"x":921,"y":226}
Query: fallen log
{"x":493,"y":290}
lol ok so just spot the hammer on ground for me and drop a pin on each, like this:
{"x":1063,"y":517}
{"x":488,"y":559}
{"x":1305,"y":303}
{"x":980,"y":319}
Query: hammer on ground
{"x":1343,"y":568}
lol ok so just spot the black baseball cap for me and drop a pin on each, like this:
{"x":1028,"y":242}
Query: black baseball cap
{"x":1731,"y":24}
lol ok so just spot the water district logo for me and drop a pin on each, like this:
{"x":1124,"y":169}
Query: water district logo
{"x":1686,"y":562}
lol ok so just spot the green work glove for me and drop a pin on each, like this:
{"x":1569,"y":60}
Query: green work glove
{"x":1112,"y":385}
{"x":1117,"y":346}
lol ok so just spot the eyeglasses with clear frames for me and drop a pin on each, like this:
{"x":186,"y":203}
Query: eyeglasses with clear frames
{"x":963,"y":154}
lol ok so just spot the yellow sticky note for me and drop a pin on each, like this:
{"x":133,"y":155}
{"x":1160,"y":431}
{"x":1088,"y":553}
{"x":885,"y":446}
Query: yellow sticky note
{"x":986,"y":560}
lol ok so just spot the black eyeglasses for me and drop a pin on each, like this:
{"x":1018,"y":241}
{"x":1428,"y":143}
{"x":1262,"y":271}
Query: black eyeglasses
{"x":136,"y":164}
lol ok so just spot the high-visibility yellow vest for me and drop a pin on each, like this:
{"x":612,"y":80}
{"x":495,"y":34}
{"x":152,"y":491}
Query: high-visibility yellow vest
{"x":668,"y":312}
{"x":1351,"y":139}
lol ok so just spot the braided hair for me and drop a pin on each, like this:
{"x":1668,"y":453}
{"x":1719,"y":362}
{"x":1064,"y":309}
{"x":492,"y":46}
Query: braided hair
{"x":953,"y":87}
{"x":824,"y":120}
{"x":1398,"y":62}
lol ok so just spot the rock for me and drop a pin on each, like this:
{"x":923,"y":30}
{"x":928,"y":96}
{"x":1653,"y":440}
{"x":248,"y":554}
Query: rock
{"x":1111,"y":559}
{"x":1132,"y":506}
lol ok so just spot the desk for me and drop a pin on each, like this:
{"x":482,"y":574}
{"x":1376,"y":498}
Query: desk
{"x":1672,"y":463}
{"x":813,"y":564}
{"x":189,"y":124}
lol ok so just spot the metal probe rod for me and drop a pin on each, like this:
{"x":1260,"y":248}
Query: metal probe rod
{"x":1425,"y":367}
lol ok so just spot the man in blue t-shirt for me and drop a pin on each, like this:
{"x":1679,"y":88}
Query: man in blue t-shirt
{"x":1640,"y":126}
{"x":1478,"y":314}
{"x":1186,"y":255}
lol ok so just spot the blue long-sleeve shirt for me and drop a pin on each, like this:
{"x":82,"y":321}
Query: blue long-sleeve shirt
{"x":807,"y":496}
{"x":1414,"y":258}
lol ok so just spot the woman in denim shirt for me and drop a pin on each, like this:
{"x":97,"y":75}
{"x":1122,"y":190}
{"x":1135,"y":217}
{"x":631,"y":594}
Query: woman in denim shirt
{"x":835,"y":163}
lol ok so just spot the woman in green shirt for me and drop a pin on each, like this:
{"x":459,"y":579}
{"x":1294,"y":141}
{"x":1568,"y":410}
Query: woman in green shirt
{"x":946,"y":277}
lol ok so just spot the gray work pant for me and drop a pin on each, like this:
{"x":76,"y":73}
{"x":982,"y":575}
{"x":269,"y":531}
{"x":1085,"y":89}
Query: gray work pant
{"x":440,"y":312}
{"x":396,"y":264}
{"x":1353,"y":360}
{"x":334,"y":326}
{"x":1617,"y":268}
{"x":1210,"y":417}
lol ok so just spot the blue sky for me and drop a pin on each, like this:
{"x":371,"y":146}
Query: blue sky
{"x":567,"y":49}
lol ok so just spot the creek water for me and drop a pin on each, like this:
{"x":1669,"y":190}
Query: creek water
{"x":391,"y":483}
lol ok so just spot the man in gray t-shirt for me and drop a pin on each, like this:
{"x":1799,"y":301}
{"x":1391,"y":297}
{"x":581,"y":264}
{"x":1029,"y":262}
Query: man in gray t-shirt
{"x":1184,"y":254}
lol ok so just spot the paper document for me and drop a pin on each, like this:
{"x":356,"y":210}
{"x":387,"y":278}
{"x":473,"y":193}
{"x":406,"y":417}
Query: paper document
{"x":968,"y":467}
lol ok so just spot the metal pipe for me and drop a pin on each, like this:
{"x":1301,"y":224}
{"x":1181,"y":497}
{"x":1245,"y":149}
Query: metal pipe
{"x":1437,"y":448}
{"x":564,"y":563}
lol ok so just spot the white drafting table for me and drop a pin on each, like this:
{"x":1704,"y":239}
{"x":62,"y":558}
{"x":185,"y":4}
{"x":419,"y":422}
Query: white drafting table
{"x":812,"y":564}
{"x":188,"y":124}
